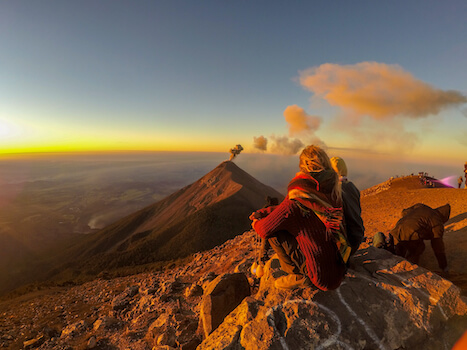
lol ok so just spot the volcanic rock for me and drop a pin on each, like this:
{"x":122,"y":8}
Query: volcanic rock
{"x":221,"y":297}
{"x":384,"y":303}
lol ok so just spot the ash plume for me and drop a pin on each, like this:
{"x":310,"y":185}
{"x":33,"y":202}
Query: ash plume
{"x":260,"y":143}
{"x":235,"y":151}
{"x":377,"y":90}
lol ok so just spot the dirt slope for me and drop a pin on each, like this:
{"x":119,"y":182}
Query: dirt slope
{"x":382,"y":206}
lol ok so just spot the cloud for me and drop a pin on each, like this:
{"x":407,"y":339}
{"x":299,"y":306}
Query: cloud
{"x":299,"y":121}
{"x":260,"y":143}
{"x":279,"y":144}
{"x":377,"y":90}
{"x":285,"y":145}
{"x":301,"y":125}
{"x":377,"y":135}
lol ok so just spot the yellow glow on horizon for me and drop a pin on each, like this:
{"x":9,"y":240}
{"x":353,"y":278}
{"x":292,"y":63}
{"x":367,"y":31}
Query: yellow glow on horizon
{"x":47,"y":138}
{"x":112,"y":144}
{"x":66,"y":148}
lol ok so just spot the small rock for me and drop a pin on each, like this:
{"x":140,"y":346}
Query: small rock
{"x":50,"y":332}
{"x":222,"y":295}
{"x":105,"y":323}
{"x":120,"y":302}
{"x":132,"y":291}
{"x":167,"y":338}
{"x":34,"y":343}
{"x":92,"y":342}
{"x":74,"y":329}
{"x":191,"y":345}
{"x":195,"y":290}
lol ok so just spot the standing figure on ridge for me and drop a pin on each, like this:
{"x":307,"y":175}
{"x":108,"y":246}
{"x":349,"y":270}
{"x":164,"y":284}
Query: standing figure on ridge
{"x":353,"y":221}
{"x":459,"y":182}
{"x":305,"y":229}
{"x":419,"y":223}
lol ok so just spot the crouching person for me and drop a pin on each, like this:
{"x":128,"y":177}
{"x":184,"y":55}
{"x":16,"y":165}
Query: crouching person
{"x":419,"y":223}
{"x":305,"y":229}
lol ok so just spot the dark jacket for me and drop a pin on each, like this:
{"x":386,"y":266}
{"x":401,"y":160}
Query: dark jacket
{"x":421,"y":222}
{"x":352,"y":214}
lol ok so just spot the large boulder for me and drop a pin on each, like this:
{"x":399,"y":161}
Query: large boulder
{"x":384,"y":303}
{"x":221,"y":297}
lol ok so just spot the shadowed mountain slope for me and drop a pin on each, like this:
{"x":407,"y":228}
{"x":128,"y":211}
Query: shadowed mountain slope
{"x":198,"y":217}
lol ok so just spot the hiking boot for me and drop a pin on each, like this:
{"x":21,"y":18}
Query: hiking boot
{"x":292,"y":281}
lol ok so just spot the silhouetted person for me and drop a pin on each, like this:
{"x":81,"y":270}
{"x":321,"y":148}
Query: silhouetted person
{"x":419,"y":223}
{"x":459,"y":181}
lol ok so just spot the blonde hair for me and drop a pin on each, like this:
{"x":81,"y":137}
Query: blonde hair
{"x":339,"y":166}
{"x":314,"y":159}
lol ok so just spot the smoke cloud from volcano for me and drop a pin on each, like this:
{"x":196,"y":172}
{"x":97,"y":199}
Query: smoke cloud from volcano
{"x":378,"y":90}
{"x":260,"y":143}
{"x":299,"y":124}
{"x":285,"y":145}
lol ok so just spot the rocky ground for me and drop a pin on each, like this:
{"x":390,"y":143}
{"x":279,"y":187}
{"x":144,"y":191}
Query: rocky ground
{"x":161,"y":310}
{"x":134,"y":312}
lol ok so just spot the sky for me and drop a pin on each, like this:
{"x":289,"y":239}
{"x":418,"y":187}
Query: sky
{"x":373,"y":78}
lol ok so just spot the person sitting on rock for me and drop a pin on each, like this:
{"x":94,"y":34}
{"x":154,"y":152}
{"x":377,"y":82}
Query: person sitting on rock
{"x":418,"y":223}
{"x":353,"y":222}
{"x":305,"y":229}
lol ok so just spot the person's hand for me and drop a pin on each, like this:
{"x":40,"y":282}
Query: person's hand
{"x":253,"y":223}
{"x":254,"y":216}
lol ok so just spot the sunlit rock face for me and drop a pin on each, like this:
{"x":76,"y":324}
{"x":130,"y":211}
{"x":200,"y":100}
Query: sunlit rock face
{"x":383,"y":303}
